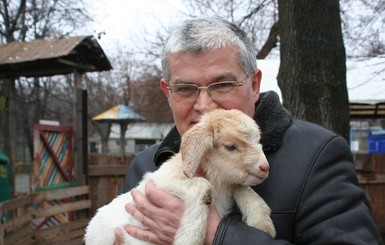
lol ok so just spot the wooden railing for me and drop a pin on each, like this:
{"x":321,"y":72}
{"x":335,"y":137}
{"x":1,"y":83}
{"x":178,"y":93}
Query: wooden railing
{"x":51,"y":217}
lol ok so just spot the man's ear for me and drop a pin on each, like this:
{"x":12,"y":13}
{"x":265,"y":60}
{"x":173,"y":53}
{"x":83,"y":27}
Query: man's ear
{"x":163,"y":85}
{"x":256,"y":83}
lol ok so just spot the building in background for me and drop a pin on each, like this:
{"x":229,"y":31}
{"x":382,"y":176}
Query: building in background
{"x":138,"y":137}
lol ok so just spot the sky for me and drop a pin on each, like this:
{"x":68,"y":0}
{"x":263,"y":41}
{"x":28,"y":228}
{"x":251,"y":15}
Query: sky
{"x":126,"y":21}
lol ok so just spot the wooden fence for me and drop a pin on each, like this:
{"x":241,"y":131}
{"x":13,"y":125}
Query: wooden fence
{"x":105,"y":176}
{"x":371,"y":175}
{"x":27,"y":220}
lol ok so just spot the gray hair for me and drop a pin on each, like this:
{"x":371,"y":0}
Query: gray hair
{"x":200,"y":35}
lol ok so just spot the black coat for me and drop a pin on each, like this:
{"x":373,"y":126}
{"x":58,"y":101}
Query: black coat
{"x":312,"y":188}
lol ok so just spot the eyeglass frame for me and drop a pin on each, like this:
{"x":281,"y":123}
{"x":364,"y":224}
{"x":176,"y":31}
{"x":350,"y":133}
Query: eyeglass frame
{"x":199,"y":88}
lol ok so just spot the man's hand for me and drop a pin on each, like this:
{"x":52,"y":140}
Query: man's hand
{"x":119,"y":238}
{"x":157,"y":210}
{"x":161,"y":213}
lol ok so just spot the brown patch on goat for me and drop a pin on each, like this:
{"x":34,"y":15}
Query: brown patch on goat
{"x":207,"y":198}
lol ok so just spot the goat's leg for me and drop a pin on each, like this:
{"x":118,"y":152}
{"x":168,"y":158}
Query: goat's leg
{"x":197,"y":196}
{"x":254,"y":209}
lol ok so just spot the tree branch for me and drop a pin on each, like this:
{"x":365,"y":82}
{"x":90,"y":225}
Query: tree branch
{"x":270,"y":43}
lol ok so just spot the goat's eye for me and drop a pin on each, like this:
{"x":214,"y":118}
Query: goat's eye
{"x":231,"y":147}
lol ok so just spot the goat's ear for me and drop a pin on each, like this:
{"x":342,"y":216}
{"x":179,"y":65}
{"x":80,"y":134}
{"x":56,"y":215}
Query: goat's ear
{"x":196,"y":142}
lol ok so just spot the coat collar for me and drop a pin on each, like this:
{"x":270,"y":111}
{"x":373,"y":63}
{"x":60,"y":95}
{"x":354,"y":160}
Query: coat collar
{"x":272,"y":118}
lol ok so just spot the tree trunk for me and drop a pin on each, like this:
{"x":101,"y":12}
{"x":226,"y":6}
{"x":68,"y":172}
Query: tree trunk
{"x":312,"y":74}
{"x":104,"y":130}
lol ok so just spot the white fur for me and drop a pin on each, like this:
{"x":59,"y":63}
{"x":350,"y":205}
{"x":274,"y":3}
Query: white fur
{"x":224,"y":145}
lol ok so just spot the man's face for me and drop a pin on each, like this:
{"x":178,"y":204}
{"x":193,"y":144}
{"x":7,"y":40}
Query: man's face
{"x":204,"y":69}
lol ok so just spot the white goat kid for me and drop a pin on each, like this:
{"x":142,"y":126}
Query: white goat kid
{"x":225,"y":147}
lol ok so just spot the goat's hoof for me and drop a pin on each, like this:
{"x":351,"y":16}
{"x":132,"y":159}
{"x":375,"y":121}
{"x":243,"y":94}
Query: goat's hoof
{"x":265,"y":225}
{"x":269,"y":229}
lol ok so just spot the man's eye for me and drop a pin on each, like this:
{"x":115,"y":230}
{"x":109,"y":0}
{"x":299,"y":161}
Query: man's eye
{"x":184,"y":89}
{"x":222,"y":87}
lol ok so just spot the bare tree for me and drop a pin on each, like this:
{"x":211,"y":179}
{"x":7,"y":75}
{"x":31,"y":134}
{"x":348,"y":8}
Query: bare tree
{"x":32,"y":19}
{"x":104,"y":92}
{"x":149,"y":100}
{"x":363,"y":23}
{"x":31,"y":94}
{"x":144,"y":92}
{"x":259,"y":18}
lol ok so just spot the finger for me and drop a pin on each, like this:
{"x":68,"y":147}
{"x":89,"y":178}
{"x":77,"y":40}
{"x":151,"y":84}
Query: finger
{"x":163,"y":199}
{"x":156,"y":195}
{"x":119,"y":237}
{"x":138,"y":215}
{"x":161,"y":221}
{"x":142,"y":204}
{"x":142,"y":234}
{"x":166,"y":202}
{"x":147,"y":234}
{"x":141,"y":210}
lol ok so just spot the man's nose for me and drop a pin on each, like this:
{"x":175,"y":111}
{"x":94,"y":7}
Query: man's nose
{"x":204,"y":102}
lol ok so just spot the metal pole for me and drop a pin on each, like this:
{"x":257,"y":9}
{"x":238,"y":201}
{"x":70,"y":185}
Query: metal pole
{"x":81,"y":130}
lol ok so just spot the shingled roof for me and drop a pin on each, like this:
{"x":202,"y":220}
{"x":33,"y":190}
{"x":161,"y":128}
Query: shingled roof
{"x":47,"y":57}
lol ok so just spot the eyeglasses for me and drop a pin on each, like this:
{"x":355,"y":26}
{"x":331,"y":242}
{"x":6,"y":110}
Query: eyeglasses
{"x":217,"y":91}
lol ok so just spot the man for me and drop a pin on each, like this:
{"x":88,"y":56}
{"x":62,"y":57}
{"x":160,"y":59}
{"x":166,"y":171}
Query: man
{"x":312,"y":188}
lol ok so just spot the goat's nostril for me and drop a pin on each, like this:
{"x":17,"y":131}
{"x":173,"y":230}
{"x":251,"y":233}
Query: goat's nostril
{"x":264,"y":167}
